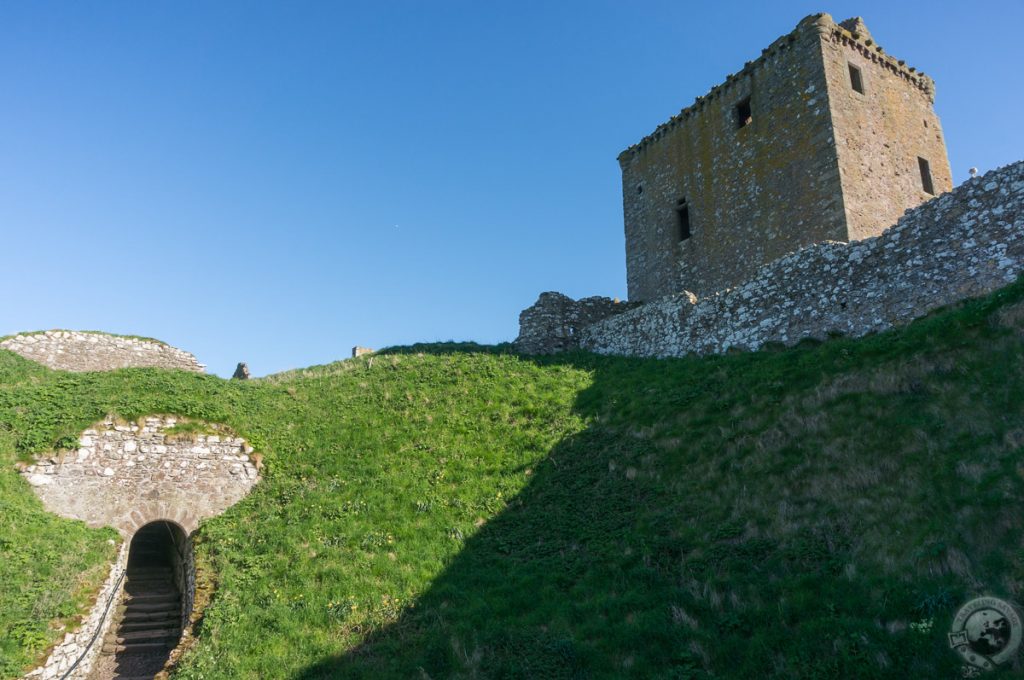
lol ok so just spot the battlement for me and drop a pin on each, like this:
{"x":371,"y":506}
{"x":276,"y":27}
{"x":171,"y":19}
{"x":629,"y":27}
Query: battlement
{"x":850,"y":33}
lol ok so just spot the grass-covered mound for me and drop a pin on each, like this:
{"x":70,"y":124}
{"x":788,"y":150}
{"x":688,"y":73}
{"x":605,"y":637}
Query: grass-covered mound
{"x":455,"y":511}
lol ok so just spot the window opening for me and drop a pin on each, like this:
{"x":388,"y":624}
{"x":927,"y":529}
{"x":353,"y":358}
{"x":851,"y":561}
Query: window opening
{"x":744,"y":115}
{"x":856,"y":82}
{"x":926,"y":176}
{"x":683,"y":219}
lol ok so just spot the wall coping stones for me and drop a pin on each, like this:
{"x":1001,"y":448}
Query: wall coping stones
{"x":859,"y":39}
{"x":81,"y":351}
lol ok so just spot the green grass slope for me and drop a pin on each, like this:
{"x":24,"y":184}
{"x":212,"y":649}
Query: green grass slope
{"x":461,"y":512}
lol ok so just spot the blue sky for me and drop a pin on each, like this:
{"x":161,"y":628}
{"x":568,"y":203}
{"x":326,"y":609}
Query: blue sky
{"x":277,"y":182}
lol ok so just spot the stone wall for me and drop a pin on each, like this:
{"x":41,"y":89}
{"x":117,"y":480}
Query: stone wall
{"x":76,"y":645}
{"x":126,"y":475}
{"x":963,"y":244}
{"x":553,"y":322}
{"x":757,"y":191}
{"x":79,"y":351}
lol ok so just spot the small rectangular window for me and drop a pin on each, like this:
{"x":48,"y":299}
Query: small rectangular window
{"x":926,"y":176}
{"x":744,"y":116}
{"x":855,"y":79}
{"x":683,"y":220}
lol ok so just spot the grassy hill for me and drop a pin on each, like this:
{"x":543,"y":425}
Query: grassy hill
{"x":462,"y":512}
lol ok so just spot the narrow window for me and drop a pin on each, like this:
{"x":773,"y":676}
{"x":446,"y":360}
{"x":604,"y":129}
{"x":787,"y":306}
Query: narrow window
{"x":744,"y":117}
{"x":855,"y":80}
{"x":683,"y":219}
{"x":926,"y":176}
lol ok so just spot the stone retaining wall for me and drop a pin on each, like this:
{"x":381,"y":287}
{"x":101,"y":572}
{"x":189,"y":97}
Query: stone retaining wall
{"x":126,"y":475}
{"x":93,"y":627}
{"x":79,"y":351}
{"x":963,"y":244}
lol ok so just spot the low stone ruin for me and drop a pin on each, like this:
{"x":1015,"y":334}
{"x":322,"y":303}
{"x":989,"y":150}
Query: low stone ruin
{"x":79,"y":351}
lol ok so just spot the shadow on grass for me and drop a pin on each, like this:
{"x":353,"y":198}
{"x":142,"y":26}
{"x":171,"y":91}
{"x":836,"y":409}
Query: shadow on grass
{"x":649,"y":545}
{"x":556,"y":565}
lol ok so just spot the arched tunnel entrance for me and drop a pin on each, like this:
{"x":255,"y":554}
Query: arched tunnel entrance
{"x":156,"y":601}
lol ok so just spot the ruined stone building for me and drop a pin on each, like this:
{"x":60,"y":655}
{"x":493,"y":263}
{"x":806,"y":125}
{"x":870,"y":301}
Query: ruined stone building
{"x":824,"y":137}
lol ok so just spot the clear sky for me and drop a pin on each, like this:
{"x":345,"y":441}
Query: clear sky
{"x":277,"y":182}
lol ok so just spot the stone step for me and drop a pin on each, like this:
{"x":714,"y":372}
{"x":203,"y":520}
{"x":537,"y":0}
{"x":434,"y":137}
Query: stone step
{"x":135,"y":566}
{"x":160,"y":590}
{"x":149,"y":584}
{"x":147,"y":571}
{"x":149,"y":576}
{"x":136,"y":607}
{"x":136,"y":647}
{"x":138,"y":617}
{"x":142,"y":635}
{"x":150,"y":596}
{"x":148,"y":625}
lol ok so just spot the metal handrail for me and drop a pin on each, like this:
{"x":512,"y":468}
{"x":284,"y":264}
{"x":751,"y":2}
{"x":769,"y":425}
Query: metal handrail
{"x":99,"y":626}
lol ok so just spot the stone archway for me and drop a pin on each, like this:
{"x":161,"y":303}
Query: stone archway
{"x":127,"y":474}
{"x":158,"y":592}
{"x":153,"y":480}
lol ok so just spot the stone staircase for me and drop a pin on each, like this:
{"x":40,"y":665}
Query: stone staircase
{"x":147,"y":624}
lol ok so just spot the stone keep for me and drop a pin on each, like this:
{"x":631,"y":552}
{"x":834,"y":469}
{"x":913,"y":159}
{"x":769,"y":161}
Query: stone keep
{"x":824,"y":137}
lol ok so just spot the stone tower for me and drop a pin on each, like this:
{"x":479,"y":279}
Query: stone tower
{"x":823,"y":137}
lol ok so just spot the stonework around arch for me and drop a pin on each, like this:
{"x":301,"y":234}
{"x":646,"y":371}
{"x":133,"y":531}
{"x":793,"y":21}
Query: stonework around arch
{"x":126,"y":475}
{"x":80,"y":351}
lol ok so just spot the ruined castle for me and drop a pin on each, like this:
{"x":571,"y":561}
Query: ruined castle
{"x":820,"y":145}
{"x":824,"y":137}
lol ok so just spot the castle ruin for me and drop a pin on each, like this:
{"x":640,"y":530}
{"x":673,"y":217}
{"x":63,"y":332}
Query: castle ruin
{"x":799,"y":167}
{"x":824,"y":137}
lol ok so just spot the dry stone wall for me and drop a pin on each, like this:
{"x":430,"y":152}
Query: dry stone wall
{"x":126,"y":475}
{"x":963,"y":244}
{"x":79,"y":646}
{"x":78,"y":351}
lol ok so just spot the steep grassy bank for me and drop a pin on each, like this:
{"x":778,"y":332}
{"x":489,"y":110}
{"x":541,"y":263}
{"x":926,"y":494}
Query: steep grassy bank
{"x":455,"y":511}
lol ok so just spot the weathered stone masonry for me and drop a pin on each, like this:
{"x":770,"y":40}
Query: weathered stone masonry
{"x":553,"y":324}
{"x":78,"y":351}
{"x":966,"y":243}
{"x":783,"y":154}
{"x":127,"y":475}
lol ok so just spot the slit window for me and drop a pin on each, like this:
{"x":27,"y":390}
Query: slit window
{"x":744,"y":115}
{"x":856,"y":81}
{"x":682,"y":220}
{"x":926,"y":176}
